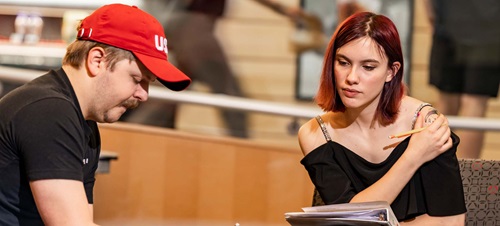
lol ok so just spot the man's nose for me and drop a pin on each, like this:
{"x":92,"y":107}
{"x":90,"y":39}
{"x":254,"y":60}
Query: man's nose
{"x":142,"y":92}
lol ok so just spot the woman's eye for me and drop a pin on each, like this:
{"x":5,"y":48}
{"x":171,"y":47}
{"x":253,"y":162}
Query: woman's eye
{"x":369,"y":68}
{"x":343,"y":63}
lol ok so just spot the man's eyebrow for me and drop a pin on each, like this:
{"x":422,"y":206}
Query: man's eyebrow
{"x":146,"y":73}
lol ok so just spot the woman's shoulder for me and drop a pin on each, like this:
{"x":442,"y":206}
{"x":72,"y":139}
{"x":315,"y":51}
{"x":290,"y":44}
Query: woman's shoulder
{"x":411,"y":108}
{"x":311,"y":135}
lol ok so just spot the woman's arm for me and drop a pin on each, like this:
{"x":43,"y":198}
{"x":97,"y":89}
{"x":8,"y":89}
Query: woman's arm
{"x":310,"y":136}
{"x":423,"y":147}
{"x":457,"y":220}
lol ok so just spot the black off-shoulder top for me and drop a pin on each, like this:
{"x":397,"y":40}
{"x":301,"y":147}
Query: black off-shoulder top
{"x":436,"y":188}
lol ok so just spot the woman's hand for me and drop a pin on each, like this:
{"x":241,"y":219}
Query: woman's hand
{"x":430,"y":142}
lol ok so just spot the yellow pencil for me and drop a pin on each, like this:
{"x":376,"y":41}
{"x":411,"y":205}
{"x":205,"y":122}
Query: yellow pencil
{"x":407,"y":133}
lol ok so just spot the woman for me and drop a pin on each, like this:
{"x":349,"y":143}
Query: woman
{"x":348,"y":151}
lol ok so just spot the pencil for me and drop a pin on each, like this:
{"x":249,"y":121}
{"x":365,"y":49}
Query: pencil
{"x":407,"y":133}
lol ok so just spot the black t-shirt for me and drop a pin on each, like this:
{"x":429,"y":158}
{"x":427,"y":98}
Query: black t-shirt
{"x":436,"y":188}
{"x":43,"y":135}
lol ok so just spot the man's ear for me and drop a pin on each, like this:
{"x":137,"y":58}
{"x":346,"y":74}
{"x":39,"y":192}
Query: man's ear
{"x":95,"y":61}
{"x":393,"y":70}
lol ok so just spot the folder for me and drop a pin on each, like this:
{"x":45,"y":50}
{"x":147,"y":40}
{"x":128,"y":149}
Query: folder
{"x":364,"y":213}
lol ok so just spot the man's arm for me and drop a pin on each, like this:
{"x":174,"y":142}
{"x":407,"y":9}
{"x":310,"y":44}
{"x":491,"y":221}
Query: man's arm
{"x":62,"y":202}
{"x":91,"y":210}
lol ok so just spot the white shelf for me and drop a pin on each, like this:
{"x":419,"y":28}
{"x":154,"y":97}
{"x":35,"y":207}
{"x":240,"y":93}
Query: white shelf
{"x":89,"y":4}
{"x":41,"y":50}
{"x":49,"y":55}
{"x":54,"y":8}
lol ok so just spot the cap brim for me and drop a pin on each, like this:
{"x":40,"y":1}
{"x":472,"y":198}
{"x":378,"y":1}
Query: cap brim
{"x":166,"y":73}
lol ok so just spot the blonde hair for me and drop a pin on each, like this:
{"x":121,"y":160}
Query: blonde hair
{"x":76,"y":53}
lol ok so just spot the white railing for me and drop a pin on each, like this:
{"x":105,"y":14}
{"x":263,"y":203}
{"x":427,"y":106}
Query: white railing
{"x":245,"y":104}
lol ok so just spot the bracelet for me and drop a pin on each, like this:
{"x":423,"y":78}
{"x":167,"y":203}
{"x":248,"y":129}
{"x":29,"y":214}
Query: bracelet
{"x":417,"y":112}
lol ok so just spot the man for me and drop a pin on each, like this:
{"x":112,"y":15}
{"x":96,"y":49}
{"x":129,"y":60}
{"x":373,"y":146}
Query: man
{"x":49,"y":139}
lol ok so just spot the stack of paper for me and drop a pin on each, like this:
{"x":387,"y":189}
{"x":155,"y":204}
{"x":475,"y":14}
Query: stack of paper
{"x":366,"y":213}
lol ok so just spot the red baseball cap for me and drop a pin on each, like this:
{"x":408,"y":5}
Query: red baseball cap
{"x":129,"y":28}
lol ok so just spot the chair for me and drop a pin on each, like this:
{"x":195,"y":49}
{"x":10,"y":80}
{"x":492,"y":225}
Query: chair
{"x":481,"y":180}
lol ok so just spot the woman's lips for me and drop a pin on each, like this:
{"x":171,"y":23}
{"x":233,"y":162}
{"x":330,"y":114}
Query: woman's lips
{"x":350,"y":92}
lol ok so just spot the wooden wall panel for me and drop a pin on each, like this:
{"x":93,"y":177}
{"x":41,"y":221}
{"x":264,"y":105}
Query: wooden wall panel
{"x":166,"y":176}
{"x":420,"y":86}
{"x":255,"y":40}
{"x":267,"y":80}
{"x":422,"y":40}
{"x":420,"y":20}
{"x":249,"y":9}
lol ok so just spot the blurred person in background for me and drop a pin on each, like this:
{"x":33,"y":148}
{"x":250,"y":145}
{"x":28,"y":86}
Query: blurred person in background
{"x":465,"y":61}
{"x":189,"y":26}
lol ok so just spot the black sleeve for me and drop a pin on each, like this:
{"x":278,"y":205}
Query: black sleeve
{"x":51,"y":140}
{"x":95,"y":145}
{"x":328,"y":177}
{"x":442,"y":183}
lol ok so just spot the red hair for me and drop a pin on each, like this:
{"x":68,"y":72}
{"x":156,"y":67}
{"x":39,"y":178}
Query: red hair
{"x":381,"y":30}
